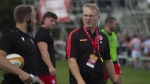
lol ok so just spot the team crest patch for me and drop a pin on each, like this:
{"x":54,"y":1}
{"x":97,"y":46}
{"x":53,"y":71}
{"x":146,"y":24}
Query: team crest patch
{"x":83,"y":39}
{"x":22,"y":38}
{"x":100,"y":42}
{"x":100,"y":37}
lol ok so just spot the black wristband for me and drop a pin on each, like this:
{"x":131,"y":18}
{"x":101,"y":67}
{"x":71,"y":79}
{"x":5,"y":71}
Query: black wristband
{"x":115,"y":83}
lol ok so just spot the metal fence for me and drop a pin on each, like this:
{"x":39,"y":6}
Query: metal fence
{"x":133,"y":16}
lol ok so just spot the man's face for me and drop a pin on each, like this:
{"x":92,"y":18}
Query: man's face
{"x":49,"y":23}
{"x":113,"y":25}
{"x":31,"y":21}
{"x":90,"y":17}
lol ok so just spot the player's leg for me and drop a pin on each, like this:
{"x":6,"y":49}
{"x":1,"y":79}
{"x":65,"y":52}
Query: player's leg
{"x":139,"y":62}
{"x":118,"y":72}
{"x":134,"y":56}
{"x":105,"y":76}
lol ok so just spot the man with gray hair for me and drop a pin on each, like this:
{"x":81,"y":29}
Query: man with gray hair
{"x":88,"y":51}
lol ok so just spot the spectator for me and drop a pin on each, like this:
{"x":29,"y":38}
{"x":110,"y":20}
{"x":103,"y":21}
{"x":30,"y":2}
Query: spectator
{"x":136,"y":49}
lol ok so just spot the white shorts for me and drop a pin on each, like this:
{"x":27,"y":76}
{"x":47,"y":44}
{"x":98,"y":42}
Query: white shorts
{"x":136,"y":54}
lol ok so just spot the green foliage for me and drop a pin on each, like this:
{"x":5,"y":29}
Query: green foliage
{"x":6,"y":13}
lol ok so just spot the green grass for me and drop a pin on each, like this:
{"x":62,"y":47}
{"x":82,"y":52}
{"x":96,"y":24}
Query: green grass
{"x":132,"y":76}
{"x":129,"y":75}
{"x":1,"y":77}
{"x":62,"y":72}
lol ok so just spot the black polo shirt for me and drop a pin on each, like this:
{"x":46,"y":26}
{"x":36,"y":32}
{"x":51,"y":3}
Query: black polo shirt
{"x":15,"y":41}
{"x":80,"y":47}
{"x":44,"y":35}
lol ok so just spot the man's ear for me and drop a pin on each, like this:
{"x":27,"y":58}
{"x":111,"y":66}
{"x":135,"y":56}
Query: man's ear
{"x":44,"y":19}
{"x":98,"y":19}
{"x":27,"y":18}
{"x":109,"y":24}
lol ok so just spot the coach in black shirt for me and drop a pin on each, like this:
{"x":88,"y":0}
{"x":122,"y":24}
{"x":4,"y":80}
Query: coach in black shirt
{"x":87,"y":51}
{"x":18,"y":41}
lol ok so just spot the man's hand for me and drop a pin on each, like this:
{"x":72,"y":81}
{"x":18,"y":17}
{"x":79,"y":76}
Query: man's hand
{"x":52,"y":71}
{"x":81,"y":82}
{"x":26,"y":78}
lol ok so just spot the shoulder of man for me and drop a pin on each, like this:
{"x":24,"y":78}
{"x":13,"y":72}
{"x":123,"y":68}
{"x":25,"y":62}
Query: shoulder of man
{"x":42,"y":31}
{"x":102,"y":34}
{"x":102,"y":30}
{"x":11,"y":31}
{"x":75,"y":31}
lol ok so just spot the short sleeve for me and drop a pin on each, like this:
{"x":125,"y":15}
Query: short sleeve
{"x":72,"y":46}
{"x":106,"y":54}
{"x":41,"y":36}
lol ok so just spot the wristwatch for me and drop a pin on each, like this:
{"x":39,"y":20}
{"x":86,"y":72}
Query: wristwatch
{"x":115,"y":83}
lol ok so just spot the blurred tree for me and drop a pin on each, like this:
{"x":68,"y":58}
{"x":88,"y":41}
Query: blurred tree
{"x":6,"y":13}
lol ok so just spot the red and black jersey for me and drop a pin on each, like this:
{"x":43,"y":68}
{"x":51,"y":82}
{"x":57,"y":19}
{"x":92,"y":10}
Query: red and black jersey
{"x":80,"y":47}
{"x":16,"y":41}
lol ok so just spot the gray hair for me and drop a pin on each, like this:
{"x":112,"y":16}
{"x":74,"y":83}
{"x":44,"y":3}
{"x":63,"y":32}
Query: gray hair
{"x":92,"y":6}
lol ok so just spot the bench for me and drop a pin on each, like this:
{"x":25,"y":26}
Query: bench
{"x":129,"y":60}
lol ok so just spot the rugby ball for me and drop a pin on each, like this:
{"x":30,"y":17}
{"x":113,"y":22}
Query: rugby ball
{"x":16,"y":60}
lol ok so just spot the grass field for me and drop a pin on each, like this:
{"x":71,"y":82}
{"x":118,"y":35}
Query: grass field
{"x":129,"y":75}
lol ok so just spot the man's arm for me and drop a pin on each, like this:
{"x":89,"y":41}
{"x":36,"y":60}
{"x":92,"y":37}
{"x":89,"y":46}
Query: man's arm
{"x":110,"y":70}
{"x":46,"y":57}
{"x":6,"y":66}
{"x":75,"y":70}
